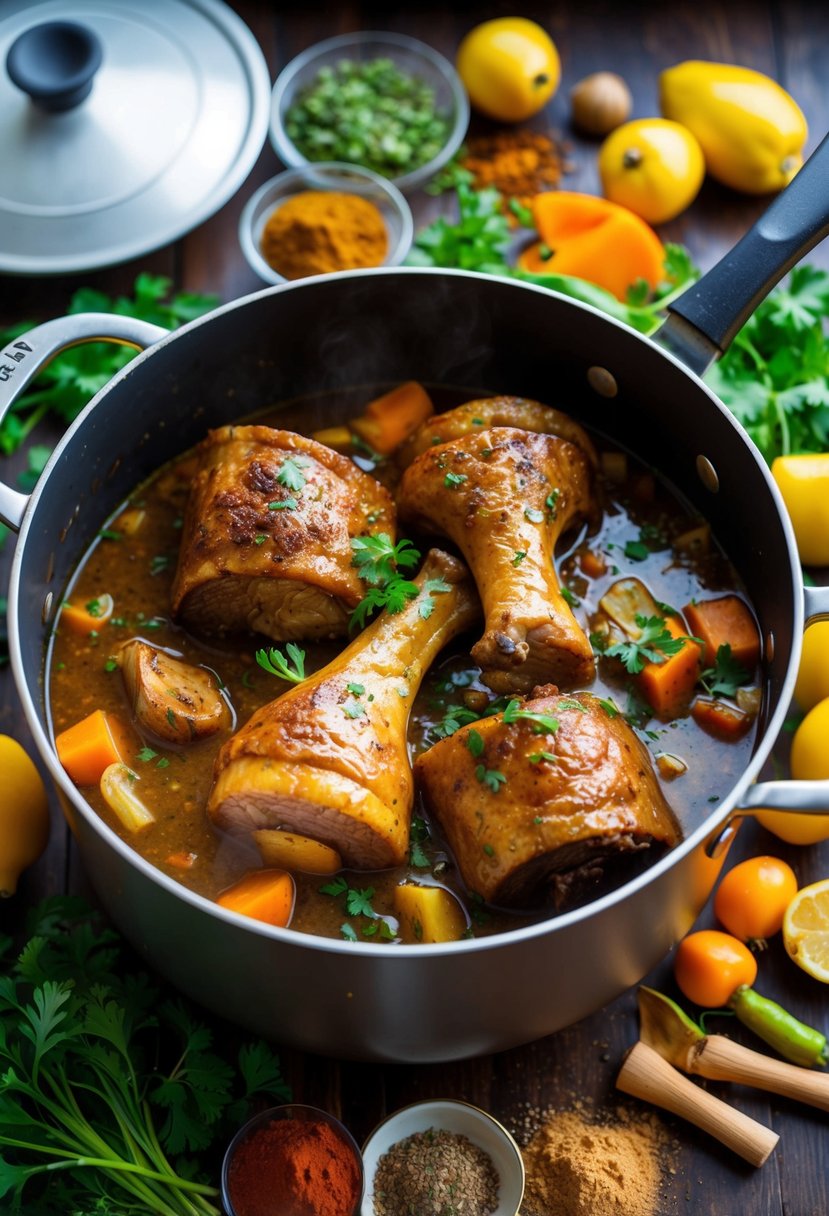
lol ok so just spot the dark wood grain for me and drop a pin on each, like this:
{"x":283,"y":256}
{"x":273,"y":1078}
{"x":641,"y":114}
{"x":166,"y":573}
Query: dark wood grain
{"x":791,"y":41}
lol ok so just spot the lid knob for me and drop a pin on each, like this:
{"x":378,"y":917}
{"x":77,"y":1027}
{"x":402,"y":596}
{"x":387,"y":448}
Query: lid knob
{"x":54,"y":63}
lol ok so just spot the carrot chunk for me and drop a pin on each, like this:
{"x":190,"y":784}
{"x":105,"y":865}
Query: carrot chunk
{"x":89,"y":747}
{"x":388,"y":420}
{"x":725,"y":621}
{"x":725,"y":722}
{"x":266,"y":895}
{"x":87,"y":618}
{"x":669,"y":686}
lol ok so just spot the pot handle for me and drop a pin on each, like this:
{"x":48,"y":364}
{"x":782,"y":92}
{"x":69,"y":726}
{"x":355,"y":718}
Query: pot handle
{"x":799,"y":797}
{"x":24,"y":357}
{"x":706,"y":317}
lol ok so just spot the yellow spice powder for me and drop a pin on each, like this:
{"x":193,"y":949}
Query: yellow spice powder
{"x":317,"y":231}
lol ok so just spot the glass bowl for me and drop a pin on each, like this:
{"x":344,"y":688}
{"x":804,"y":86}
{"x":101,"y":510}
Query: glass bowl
{"x":296,"y":1112}
{"x":350,"y":179}
{"x":460,"y":1117}
{"x":409,"y":55}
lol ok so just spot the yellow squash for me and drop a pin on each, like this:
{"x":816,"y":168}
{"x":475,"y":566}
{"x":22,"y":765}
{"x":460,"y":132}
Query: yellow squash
{"x":751,"y":131}
{"x":509,"y":67}
{"x":24,"y":814}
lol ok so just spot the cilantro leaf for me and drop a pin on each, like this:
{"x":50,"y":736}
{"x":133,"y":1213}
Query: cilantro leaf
{"x":727,"y":674}
{"x":291,"y":475}
{"x":378,"y":558}
{"x":654,"y":645}
{"x":290,"y":668}
{"x":543,"y":724}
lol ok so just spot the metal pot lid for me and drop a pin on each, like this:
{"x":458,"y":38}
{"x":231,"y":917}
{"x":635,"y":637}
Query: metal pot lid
{"x":174,"y":120}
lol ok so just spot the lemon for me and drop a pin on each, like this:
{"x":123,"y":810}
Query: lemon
{"x":509,"y":67}
{"x":806,"y":930}
{"x":652,"y":166}
{"x":24,"y":814}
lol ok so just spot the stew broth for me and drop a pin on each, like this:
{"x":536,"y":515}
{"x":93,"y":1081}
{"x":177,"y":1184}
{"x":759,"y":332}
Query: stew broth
{"x":134,"y":559}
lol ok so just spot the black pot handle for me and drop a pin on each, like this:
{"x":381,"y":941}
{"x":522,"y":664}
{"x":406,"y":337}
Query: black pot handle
{"x":705,"y":318}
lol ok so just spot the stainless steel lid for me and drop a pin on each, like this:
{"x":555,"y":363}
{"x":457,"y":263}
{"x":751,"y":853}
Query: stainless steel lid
{"x":175,"y":118}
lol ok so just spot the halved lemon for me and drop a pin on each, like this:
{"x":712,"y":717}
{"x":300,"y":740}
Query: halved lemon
{"x":806,"y":930}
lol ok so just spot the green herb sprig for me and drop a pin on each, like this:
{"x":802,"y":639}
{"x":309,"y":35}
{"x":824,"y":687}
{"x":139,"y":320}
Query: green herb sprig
{"x":379,"y":561}
{"x":654,"y":645}
{"x":288,"y":667}
{"x":106,"y":1081}
{"x":727,"y":674}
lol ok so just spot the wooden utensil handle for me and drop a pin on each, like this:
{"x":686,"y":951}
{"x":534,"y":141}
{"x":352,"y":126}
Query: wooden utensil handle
{"x":721,"y":1059}
{"x":645,"y":1074}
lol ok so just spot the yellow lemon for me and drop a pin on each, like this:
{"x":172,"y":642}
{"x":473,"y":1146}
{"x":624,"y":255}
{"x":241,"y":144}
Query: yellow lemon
{"x":24,"y":814}
{"x":809,"y":762}
{"x":652,"y":166}
{"x":806,"y":930}
{"x":813,"y":673}
{"x":510,"y":68}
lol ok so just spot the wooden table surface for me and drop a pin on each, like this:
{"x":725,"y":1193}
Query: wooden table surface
{"x":791,"y":42}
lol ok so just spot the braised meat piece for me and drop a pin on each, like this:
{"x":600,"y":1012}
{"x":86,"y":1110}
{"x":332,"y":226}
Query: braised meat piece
{"x":474,"y":416}
{"x":171,"y":698}
{"x":328,"y":759}
{"x":504,"y":496}
{"x":266,"y":542}
{"x":532,"y":804}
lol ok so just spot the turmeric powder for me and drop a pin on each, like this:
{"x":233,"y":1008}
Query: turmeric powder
{"x":317,"y":231}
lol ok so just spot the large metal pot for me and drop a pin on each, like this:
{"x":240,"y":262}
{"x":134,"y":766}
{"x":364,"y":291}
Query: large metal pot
{"x":439,"y":1002}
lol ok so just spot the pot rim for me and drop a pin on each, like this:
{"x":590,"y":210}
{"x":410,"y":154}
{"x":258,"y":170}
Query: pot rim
{"x":704,"y":832}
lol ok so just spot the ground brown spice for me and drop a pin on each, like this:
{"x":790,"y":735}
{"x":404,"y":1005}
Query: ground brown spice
{"x":435,"y":1173}
{"x":517,"y":163}
{"x":317,"y":231}
{"x":576,"y":1167}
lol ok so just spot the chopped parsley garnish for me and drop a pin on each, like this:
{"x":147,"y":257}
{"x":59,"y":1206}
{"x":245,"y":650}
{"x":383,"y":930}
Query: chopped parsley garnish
{"x":537,"y":757}
{"x":490,"y":777}
{"x":111,"y":664}
{"x":355,"y":709}
{"x":378,"y":561}
{"x":418,"y":835}
{"x":534,"y":515}
{"x":93,"y":607}
{"x":110,"y":534}
{"x":570,"y":597}
{"x":145,"y":755}
{"x":160,"y":562}
{"x":260,"y":539}
{"x":520,"y":554}
{"x":432,"y":586}
{"x":378,"y":558}
{"x":455,"y":716}
{"x":654,"y":645}
{"x":291,"y":475}
{"x":356,"y":689}
{"x":569,"y":703}
{"x":611,"y":709}
{"x":637,"y":550}
{"x":287,"y":504}
{"x":290,"y":667}
{"x":453,"y":480}
{"x":475,"y":743}
{"x":543,"y":724}
{"x":727,"y":674}
{"x":551,"y":502}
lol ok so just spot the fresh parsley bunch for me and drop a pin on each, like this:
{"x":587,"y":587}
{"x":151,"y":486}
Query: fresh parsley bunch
{"x":775,"y":376}
{"x":109,"y":1087}
{"x":71,"y":380}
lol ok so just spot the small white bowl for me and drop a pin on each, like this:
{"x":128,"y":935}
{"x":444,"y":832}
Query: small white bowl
{"x":409,"y":55}
{"x":348,"y":179}
{"x":463,"y":1119}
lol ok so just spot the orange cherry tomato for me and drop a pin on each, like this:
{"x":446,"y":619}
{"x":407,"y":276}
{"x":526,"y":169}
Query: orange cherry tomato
{"x":752,"y":898}
{"x":710,"y":966}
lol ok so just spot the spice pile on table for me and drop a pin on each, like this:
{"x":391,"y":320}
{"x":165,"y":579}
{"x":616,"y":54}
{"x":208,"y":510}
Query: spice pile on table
{"x":518,"y":164}
{"x":435,"y":1173}
{"x":576,"y":1167}
{"x":318,"y":231}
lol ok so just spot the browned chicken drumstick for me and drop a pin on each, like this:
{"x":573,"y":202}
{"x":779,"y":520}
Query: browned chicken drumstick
{"x":544,"y":797}
{"x":266,"y":542}
{"x":474,"y":416}
{"x":504,"y":496}
{"x":328,"y":759}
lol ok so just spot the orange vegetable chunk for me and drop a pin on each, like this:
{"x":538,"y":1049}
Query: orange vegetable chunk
{"x":723,"y":721}
{"x":88,"y":618}
{"x":388,"y":420}
{"x":266,"y":895}
{"x":725,"y":621}
{"x":91,"y":745}
{"x":669,"y":686}
{"x":594,"y":239}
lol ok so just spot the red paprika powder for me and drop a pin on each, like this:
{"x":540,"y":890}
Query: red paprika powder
{"x":294,"y":1167}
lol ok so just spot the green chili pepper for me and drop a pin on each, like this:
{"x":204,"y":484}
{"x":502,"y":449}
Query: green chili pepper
{"x":774,"y":1025}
